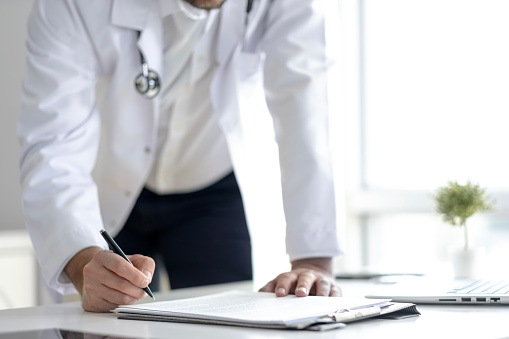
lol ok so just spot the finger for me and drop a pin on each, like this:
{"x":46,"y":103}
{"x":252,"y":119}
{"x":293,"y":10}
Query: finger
{"x":304,"y":283}
{"x":94,"y":304}
{"x":96,"y":274}
{"x":269,"y":287}
{"x":124,"y":287}
{"x":116,"y":297}
{"x":122,"y":268}
{"x":323,"y":287}
{"x":285,"y":283}
{"x":101,"y":298}
{"x":144,"y":264}
{"x":335,"y":290}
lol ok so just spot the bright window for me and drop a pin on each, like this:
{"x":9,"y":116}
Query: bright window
{"x":436,"y":79}
{"x":425,"y":87}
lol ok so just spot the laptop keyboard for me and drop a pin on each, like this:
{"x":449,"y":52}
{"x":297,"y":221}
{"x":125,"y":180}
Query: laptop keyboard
{"x":483,"y":287}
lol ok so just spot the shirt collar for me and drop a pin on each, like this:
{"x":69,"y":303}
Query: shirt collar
{"x":169,"y":7}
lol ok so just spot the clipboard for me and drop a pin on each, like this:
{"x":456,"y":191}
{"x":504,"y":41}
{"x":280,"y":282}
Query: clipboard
{"x":265,"y":310}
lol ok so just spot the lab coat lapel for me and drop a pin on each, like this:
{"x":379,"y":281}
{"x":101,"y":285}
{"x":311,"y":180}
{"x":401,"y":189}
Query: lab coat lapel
{"x":231,"y":28}
{"x":130,"y":14}
{"x":143,"y":16}
{"x":224,"y":86}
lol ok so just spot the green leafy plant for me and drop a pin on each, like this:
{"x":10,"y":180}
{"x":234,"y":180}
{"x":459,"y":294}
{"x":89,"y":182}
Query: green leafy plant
{"x":456,"y":203}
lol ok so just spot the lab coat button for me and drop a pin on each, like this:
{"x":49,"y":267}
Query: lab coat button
{"x":147,"y":150}
{"x":127,"y":194}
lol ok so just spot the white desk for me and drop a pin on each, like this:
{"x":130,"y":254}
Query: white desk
{"x":463,"y":322}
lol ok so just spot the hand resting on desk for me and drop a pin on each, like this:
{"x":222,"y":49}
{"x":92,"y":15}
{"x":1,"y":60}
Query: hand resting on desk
{"x":308,"y":276}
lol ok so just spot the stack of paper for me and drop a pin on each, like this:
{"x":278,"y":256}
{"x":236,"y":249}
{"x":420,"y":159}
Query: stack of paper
{"x":255,"y":309}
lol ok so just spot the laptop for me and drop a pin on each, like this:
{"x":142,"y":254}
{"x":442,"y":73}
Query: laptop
{"x":457,"y":292}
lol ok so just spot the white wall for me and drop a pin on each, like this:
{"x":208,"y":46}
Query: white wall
{"x":16,"y":254}
{"x":13,"y":16}
{"x":18,"y":286}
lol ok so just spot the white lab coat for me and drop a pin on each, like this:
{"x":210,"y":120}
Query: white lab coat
{"x":86,"y":153}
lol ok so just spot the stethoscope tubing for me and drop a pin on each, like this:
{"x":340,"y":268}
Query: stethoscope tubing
{"x":147,"y":82}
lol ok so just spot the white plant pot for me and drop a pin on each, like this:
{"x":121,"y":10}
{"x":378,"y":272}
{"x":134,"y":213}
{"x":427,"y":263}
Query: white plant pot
{"x":467,"y":263}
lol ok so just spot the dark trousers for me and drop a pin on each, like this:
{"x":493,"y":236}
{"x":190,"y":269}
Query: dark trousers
{"x":201,"y":237}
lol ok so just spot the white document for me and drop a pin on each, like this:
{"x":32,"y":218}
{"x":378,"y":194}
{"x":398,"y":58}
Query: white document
{"x":259,"y":308}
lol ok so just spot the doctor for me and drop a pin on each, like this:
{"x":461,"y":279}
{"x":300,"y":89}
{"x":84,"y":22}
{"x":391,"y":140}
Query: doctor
{"x":132,"y":121}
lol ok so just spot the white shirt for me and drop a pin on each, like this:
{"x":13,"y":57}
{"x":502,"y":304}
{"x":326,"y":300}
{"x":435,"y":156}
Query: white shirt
{"x":192,"y":152}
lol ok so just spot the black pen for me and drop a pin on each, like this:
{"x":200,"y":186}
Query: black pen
{"x":115,"y":248}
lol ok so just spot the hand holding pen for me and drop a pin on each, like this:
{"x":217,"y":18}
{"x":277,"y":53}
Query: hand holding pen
{"x":115,"y":248}
{"x":106,"y":280}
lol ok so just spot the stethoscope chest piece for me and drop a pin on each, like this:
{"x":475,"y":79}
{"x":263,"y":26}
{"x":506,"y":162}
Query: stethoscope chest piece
{"x":147,"y":83}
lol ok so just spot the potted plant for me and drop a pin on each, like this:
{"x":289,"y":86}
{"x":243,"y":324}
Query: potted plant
{"x":456,"y":203}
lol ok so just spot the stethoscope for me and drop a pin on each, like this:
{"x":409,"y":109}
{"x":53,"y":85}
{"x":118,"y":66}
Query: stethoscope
{"x":147,"y":82}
